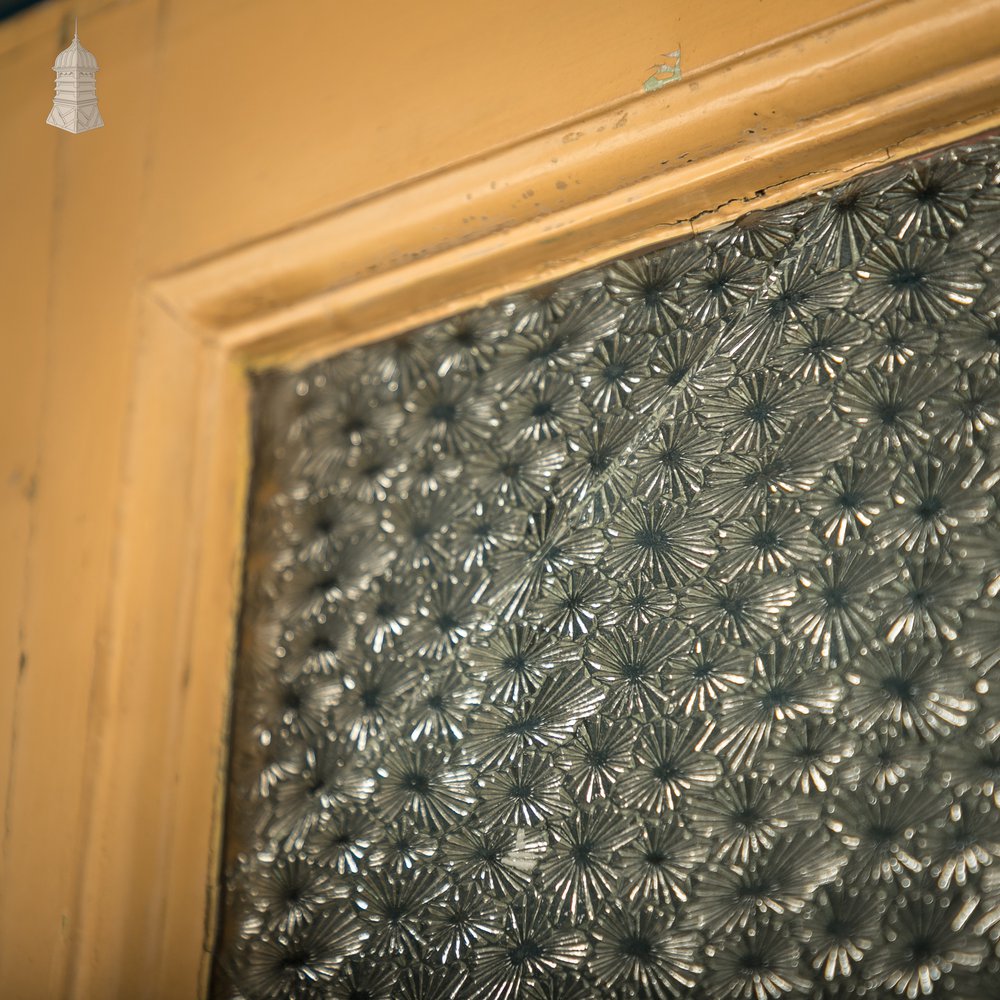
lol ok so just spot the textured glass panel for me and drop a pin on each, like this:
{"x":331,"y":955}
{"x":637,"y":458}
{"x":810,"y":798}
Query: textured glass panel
{"x":637,"y":636}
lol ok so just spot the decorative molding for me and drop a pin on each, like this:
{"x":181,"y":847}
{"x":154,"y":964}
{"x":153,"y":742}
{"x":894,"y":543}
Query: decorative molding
{"x":892,"y":79}
{"x":889,"y":80}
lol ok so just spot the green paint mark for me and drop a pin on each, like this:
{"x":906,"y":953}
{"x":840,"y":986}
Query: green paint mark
{"x":668,"y":71}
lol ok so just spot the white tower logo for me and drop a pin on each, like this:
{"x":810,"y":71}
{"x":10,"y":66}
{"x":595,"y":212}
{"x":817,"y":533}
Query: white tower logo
{"x":75,"y":106}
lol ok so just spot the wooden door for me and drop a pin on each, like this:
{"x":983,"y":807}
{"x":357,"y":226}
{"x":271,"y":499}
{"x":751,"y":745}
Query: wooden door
{"x":275,"y":182}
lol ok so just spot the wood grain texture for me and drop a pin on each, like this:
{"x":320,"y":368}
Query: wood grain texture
{"x":276,"y":182}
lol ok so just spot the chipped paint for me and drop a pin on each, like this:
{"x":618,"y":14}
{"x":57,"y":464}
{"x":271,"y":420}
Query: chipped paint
{"x":668,"y":71}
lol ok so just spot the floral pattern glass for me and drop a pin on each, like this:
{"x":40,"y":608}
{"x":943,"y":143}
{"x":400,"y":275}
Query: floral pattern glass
{"x":637,"y":636}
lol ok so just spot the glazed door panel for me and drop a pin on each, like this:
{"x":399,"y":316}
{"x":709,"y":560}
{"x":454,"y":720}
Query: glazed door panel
{"x":275,"y":183}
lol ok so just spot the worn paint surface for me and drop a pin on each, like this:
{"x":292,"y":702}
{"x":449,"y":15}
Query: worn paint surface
{"x":668,"y":71}
{"x":123,"y":445}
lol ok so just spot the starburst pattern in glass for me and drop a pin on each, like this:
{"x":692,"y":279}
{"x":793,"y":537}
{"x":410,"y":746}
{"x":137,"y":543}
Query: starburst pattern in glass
{"x":635,"y":636}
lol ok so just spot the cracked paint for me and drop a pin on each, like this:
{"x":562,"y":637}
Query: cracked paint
{"x":668,"y":71}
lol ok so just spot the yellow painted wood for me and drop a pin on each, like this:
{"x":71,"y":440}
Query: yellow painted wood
{"x":279,"y":180}
{"x":765,"y":126}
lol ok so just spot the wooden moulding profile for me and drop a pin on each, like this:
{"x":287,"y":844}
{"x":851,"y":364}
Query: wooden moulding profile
{"x":886,"y":81}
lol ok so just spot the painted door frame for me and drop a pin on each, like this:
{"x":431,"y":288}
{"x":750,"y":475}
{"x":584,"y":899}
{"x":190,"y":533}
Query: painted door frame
{"x":889,"y":80}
